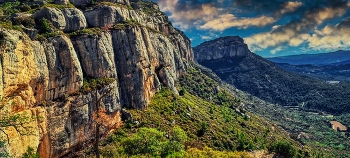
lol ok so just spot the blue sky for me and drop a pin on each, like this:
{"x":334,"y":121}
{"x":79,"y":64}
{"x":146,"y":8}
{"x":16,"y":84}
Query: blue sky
{"x":269,"y":27}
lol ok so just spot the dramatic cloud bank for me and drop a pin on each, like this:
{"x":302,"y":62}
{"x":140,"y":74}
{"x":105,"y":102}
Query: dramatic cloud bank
{"x":268,"y":25}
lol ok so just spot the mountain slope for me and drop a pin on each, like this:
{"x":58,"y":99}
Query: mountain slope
{"x":313,"y":59}
{"x":232,"y":61}
{"x":210,"y":116}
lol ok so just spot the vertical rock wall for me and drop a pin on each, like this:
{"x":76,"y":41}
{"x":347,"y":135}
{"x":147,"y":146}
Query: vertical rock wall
{"x":43,"y":79}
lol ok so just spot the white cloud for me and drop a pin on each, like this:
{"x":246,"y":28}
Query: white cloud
{"x":293,"y":34}
{"x":278,"y":49}
{"x":209,"y":17}
{"x":206,"y":37}
{"x":330,"y":38}
{"x":289,"y":7}
{"x":226,"y":21}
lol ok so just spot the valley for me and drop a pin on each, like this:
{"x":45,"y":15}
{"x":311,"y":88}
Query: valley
{"x":285,"y":96}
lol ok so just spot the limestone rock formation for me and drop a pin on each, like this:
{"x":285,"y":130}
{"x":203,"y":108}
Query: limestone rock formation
{"x":52,"y":14}
{"x":44,"y":79}
{"x":107,"y":15}
{"x":81,"y":3}
{"x":75,"y":19}
{"x":221,"y":47}
{"x":62,"y":2}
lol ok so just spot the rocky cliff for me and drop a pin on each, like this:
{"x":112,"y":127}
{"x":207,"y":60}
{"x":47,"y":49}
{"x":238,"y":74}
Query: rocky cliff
{"x":232,"y":46}
{"x":44,"y":70}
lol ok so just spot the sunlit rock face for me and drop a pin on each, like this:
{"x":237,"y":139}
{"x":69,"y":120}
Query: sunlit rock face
{"x":233,"y":46}
{"x":44,"y":79}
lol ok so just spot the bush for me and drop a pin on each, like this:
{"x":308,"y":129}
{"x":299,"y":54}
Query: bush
{"x":40,"y":38}
{"x":203,"y":129}
{"x":145,"y":141}
{"x":45,"y":25}
{"x":30,"y":153}
{"x":283,"y":148}
{"x":150,"y":141}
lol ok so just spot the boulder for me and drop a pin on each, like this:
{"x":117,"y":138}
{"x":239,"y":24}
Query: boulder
{"x":54,"y":15}
{"x":61,"y":2}
{"x":125,"y":2}
{"x":108,"y":15}
{"x":75,"y":19}
{"x":81,"y":3}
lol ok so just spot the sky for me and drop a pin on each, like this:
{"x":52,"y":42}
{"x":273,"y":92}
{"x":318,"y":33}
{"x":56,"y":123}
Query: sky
{"x":269,"y":27}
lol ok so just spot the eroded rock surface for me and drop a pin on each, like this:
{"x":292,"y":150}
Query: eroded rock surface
{"x":222,"y":47}
{"x":44,"y":78}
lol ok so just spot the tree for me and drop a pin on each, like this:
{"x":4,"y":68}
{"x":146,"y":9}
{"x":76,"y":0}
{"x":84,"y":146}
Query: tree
{"x":16,"y":121}
{"x":101,"y":88}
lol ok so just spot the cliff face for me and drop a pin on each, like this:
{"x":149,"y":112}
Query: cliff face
{"x":233,"y":46}
{"x":140,"y":50}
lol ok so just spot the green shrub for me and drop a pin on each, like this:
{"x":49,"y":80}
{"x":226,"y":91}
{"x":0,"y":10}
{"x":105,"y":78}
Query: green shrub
{"x":150,"y":141}
{"x":178,"y":134}
{"x":16,"y":27}
{"x":203,"y":129}
{"x":283,"y":148}
{"x":40,"y":38}
{"x":6,"y":24}
{"x":98,"y":83}
{"x":30,"y":153}
{"x":145,"y":141}
{"x":88,"y":31}
{"x":10,"y":8}
{"x":45,"y":25}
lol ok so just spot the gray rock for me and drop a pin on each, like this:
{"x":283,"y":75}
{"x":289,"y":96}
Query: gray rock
{"x":126,"y":115}
{"x":75,"y":19}
{"x":222,"y":47}
{"x":61,"y":2}
{"x":107,"y":15}
{"x":189,"y":108}
{"x":125,"y":2}
{"x":71,"y":123}
{"x":96,"y":55}
{"x":65,"y":73}
{"x":30,"y":32}
{"x":53,"y":15}
{"x":81,"y":3}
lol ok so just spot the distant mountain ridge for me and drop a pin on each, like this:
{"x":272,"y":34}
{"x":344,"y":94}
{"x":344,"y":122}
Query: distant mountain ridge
{"x":313,"y":59}
{"x":233,"y":62}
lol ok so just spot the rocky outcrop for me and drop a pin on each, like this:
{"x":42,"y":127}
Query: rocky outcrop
{"x":81,"y":3}
{"x":75,"y":19}
{"x":232,"y":46}
{"x":61,"y":2}
{"x":65,"y":73}
{"x":52,"y":14}
{"x":44,"y":79}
